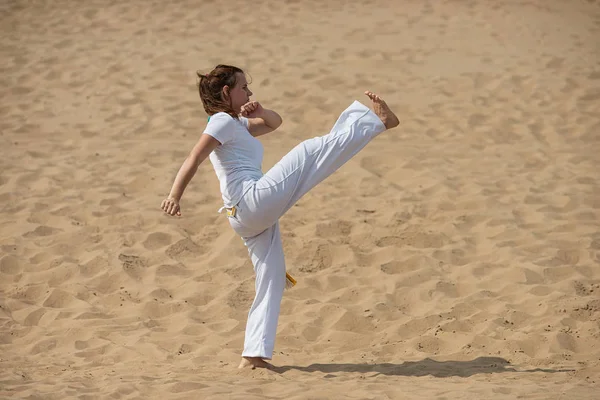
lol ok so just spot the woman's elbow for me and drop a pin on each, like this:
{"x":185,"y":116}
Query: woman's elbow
{"x":193,"y":161}
{"x":275,"y":123}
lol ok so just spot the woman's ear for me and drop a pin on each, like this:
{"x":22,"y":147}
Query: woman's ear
{"x":225,"y":92}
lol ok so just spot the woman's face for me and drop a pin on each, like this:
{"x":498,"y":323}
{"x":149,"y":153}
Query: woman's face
{"x":240,"y":93}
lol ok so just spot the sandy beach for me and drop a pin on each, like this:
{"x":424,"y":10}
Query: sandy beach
{"x":455,"y":257}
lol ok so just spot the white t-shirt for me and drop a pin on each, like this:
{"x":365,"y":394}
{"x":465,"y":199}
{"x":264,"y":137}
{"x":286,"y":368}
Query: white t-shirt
{"x":238,"y":161}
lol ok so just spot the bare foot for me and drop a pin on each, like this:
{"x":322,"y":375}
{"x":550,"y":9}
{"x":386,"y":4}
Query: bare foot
{"x":382,"y":110}
{"x":254,"y":362}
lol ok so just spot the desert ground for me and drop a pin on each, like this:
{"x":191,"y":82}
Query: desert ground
{"x":455,"y":257}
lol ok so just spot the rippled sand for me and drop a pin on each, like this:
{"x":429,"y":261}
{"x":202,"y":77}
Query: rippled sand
{"x":457,"y":256}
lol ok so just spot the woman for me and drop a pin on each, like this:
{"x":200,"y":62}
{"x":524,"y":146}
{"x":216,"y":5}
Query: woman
{"x":255,"y":201}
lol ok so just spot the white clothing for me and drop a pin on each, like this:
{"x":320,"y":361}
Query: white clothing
{"x":237,"y":162}
{"x":261,"y":206}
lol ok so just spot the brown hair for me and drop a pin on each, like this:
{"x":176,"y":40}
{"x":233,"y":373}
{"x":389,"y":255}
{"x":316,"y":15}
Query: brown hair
{"x":211,"y":87}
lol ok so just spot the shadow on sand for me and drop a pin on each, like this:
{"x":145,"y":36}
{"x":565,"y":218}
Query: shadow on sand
{"x":439,"y":369}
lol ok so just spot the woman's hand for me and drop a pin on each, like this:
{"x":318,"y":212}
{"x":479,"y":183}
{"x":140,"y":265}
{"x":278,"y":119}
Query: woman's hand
{"x":171,"y":206}
{"x":252,"y":109}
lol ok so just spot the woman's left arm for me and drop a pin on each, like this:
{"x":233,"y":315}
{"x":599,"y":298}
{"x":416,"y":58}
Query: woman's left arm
{"x":260,"y":120}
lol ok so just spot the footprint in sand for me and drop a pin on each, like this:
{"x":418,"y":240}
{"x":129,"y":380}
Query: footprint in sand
{"x":558,"y":274}
{"x":373,"y":165}
{"x":532,"y":278}
{"x":161,"y":294}
{"x":200,"y":299}
{"x":453,"y":257}
{"x":322,"y":257}
{"x":562,"y":258}
{"x":59,"y":299}
{"x":448,"y":289}
{"x":156,"y":309}
{"x":240,"y":297}
{"x":590,"y":311}
{"x":486,"y":269}
{"x":93,"y":315}
{"x":185,"y":248}
{"x":34,"y":317}
{"x":414,"y":239}
{"x":9,"y":265}
{"x":564,"y":342}
{"x":92,"y":354}
{"x":94,"y":266}
{"x":350,"y":322}
{"x":41,"y":230}
{"x":418,"y":326}
{"x":171,"y":270}
{"x":31,"y":294}
{"x":312,"y":333}
{"x":333,"y":228}
{"x":134,"y":266}
{"x":411,"y":264}
{"x":40,"y":257}
{"x":181,"y":387}
{"x":43,"y":346}
{"x":157,"y":240}
{"x":428,"y":344}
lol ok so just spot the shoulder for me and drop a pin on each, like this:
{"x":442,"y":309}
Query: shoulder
{"x":222,"y":127}
{"x":224,"y":118}
{"x":218,"y":117}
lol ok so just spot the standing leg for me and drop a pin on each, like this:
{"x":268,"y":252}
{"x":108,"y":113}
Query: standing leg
{"x":266,"y":253}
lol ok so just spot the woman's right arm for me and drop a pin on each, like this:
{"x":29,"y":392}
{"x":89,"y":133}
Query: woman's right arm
{"x":205,"y":145}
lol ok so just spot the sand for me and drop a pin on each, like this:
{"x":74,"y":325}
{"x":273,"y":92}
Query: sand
{"x":456,"y":257}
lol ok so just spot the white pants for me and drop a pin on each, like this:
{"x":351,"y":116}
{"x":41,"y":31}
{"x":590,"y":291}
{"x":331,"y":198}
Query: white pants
{"x":258,"y":213}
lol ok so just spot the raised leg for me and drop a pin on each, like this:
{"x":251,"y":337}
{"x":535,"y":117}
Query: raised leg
{"x":314,"y":160}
